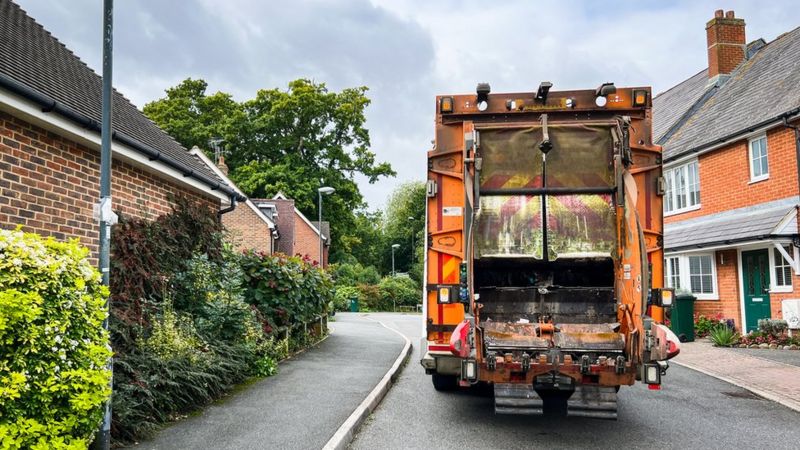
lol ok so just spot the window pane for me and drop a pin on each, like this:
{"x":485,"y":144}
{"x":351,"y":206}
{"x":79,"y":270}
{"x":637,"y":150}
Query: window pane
{"x":707,"y":284}
{"x":694,"y":185}
{"x":758,"y":157}
{"x":783,"y":271}
{"x":673,"y":273}
{"x":668,"y":204}
{"x":680,"y":187}
{"x":701,"y":274}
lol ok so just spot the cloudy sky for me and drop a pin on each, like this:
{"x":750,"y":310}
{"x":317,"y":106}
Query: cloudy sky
{"x":405,"y":51}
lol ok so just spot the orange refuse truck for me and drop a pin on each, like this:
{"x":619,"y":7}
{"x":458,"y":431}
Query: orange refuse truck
{"x":544,"y":263}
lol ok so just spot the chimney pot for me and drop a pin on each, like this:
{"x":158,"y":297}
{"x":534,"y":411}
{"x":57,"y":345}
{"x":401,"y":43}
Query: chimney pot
{"x":729,"y":15}
{"x":719,"y":13}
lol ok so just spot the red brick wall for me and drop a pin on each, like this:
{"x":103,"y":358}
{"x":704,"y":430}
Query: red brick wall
{"x":49,"y":184}
{"x":727,"y":287}
{"x":725,"y":176}
{"x":247,"y":230}
{"x":306,"y":240}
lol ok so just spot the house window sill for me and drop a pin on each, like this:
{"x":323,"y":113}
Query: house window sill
{"x":758,"y":180}
{"x":782,"y":290}
{"x":681,"y":211}
{"x":706,"y":297}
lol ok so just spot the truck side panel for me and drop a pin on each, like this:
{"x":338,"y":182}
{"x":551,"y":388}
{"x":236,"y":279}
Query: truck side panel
{"x":445,"y":230}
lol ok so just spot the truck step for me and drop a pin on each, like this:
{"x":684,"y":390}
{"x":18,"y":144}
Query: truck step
{"x":597,"y":402}
{"x":511,"y":398}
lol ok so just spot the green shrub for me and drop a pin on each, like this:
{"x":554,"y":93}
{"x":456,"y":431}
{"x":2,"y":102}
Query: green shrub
{"x":286,"y":290}
{"x":53,"y":349}
{"x":723,"y":336}
{"x":341,"y":300}
{"x":402,"y":291}
{"x":773,"y":327}
{"x":370,"y":298}
{"x":703,"y":325}
{"x":347,"y":274}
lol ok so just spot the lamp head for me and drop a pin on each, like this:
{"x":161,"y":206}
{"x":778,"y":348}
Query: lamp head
{"x":326,"y":190}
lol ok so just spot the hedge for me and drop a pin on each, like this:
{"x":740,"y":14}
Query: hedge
{"x":53,"y":349}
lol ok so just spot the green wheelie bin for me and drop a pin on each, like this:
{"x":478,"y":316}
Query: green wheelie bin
{"x":682,"y":317}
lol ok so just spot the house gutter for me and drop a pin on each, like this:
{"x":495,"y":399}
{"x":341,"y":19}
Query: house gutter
{"x":777,"y":120}
{"x":49,"y":104}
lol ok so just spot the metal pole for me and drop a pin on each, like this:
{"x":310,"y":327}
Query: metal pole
{"x":412,"y":250}
{"x":320,"y":228}
{"x":393,"y":260}
{"x":102,"y":440}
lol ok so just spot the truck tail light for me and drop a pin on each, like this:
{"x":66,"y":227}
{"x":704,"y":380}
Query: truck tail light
{"x":469,"y":370}
{"x":652,"y":374}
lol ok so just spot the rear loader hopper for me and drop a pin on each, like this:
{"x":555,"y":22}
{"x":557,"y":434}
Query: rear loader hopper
{"x":544,"y":248}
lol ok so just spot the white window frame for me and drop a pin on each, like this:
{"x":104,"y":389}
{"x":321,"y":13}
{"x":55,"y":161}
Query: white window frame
{"x":668,"y":272}
{"x":685,"y":278}
{"x":671,"y":179}
{"x":773,"y":269}
{"x":764,"y":176}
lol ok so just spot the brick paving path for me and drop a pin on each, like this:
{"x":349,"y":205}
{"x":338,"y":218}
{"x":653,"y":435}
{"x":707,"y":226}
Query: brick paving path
{"x":770,"y":379}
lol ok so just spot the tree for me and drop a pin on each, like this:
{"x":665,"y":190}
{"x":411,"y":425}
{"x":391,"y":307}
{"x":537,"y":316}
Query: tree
{"x":404,"y":217}
{"x":194,"y":118}
{"x":292,"y":141}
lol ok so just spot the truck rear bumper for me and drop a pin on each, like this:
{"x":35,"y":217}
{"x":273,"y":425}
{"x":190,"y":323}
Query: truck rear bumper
{"x":538,"y":372}
{"x":438,"y":361}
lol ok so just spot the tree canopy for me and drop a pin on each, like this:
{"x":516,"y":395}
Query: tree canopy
{"x":292,"y":141}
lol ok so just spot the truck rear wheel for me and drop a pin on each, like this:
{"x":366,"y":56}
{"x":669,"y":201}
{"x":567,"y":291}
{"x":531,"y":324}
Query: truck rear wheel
{"x":444,"y":383}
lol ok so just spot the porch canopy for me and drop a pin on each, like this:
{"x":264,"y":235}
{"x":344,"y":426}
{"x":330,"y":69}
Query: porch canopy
{"x":771,"y":221}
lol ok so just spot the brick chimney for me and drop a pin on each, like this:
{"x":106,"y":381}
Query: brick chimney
{"x":222,"y":166}
{"x":726,"y":45}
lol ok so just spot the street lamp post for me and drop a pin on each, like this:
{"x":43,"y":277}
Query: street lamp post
{"x":326,"y":191}
{"x":394,"y":247}
{"x":413,"y":250}
{"x":394,"y":300}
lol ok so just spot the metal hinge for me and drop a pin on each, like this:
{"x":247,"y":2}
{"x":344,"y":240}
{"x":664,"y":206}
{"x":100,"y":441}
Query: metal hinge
{"x":431,"y":189}
{"x":661,"y":186}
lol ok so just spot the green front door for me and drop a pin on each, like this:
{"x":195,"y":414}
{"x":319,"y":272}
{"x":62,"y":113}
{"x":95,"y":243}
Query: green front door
{"x":755,"y":270}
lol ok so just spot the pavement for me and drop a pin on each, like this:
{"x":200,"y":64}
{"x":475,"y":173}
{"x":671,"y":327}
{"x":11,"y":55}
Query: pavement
{"x":692,"y":410}
{"x":791,"y":357}
{"x":302,"y":406}
{"x":772,"y":374}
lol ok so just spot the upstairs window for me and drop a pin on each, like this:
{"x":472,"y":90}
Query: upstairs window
{"x":682,"y":188}
{"x":759,"y":164}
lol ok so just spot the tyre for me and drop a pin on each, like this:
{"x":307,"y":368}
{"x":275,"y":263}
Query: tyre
{"x":444,"y":383}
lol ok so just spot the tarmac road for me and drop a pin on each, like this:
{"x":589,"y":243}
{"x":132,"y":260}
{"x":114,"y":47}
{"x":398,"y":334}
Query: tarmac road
{"x":691,"y":411}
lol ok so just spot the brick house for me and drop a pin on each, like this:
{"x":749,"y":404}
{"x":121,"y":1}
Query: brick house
{"x":731,"y":175}
{"x":50,"y":107}
{"x":248,"y":227}
{"x":295,"y":234}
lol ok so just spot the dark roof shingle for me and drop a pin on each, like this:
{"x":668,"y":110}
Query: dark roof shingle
{"x":32,"y":56}
{"x":760,"y":89}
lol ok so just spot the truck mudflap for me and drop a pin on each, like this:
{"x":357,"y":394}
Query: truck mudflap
{"x":515,"y":398}
{"x":596,"y":402}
